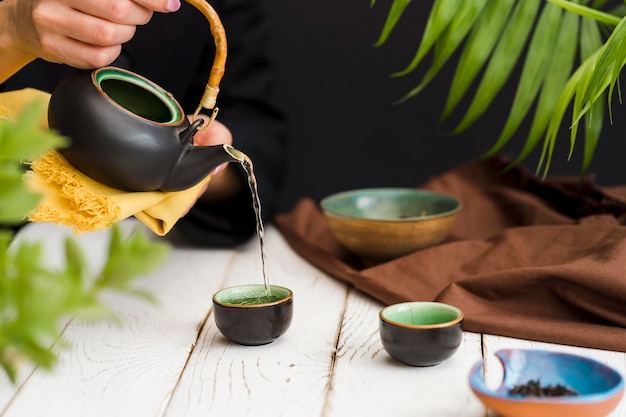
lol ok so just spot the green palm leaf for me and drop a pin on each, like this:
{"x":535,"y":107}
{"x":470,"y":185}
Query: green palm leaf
{"x":597,"y":15}
{"x":606,"y":70}
{"x":441,"y":15}
{"x":599,"y":73}
{"x":557,"y":75}
{"x":496,"y":34}
{"x":540,"y":52}
{"x":479,"y":45}
{"x":449,"y":41}
{"x":593,"y":127}
{"x":580,"y":78}
{"x":397,"y":8}
{"x":504,"y":58}
{"x":590,"y":41}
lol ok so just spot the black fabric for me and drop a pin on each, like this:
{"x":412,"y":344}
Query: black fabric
{"x":176,"y":51}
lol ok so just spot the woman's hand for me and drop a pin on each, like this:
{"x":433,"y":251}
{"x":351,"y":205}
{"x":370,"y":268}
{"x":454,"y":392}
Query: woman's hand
{"x":216,"y":134}
{"x":225,"y":183}
{"x":80,"y":33}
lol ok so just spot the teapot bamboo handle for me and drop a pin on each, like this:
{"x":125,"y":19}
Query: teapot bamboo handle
{"x":209,"y":98}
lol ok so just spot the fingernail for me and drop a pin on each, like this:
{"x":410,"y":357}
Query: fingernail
{"x":173,"y":5}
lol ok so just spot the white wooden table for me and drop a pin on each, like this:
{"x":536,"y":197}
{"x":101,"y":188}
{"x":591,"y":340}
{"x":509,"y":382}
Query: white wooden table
{"x":170,"y":360}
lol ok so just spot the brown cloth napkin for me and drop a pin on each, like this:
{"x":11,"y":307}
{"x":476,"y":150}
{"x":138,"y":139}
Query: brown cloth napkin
{"x":534,"y":259}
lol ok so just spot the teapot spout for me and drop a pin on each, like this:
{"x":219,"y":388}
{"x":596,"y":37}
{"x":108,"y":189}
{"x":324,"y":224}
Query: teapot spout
{"x":197,"y":162}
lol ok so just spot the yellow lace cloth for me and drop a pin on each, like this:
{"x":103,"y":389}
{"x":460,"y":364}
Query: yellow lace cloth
{"x":77,"y":201}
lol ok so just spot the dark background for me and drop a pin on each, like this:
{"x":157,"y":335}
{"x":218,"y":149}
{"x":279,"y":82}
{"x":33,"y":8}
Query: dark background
{"x":336,"y":90}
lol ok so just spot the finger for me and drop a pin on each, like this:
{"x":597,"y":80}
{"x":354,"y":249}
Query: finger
{"x":76,"y":53}
{"x":124,"y":12}
{"x":216,"y":134}
{"x":81,"y":55}
{"x":73,"y":44}
{"x":57,"y":20}
{"x":164,"y":6}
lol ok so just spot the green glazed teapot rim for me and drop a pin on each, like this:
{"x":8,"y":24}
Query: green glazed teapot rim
{"x":115,"y":73}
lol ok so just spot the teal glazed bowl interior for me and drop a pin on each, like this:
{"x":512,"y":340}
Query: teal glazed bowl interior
{"x":420,"y":333}
{"x":595,"y":387}
{"x":247,"y":315}
{"x":380,"y":224}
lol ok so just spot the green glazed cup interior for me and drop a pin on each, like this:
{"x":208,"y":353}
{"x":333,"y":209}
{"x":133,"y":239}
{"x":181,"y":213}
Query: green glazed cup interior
{"x":252,"y":296}
{"x":390,"y":204}
{"x":421,"y":315}
{"x":138,"y":95}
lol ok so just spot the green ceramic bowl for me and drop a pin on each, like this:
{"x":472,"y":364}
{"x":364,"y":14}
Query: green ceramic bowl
{"x":380,"y":224}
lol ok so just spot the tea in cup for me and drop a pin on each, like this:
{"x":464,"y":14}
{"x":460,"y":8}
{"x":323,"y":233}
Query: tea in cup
{"x":420,"y":333}
{"x":253,"y":314}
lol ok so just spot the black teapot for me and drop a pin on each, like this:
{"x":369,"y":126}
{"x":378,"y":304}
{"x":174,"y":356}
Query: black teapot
{"x":128,"y":133}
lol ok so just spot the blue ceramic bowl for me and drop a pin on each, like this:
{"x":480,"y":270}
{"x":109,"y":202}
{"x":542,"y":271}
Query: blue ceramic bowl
{"x":599,"y":387}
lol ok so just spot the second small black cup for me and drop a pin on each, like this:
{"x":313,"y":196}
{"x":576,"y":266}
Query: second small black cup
{"x":421,"y":333}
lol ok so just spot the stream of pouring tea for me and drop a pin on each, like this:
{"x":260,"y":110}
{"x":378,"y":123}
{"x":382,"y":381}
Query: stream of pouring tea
{"x":256,"y":203}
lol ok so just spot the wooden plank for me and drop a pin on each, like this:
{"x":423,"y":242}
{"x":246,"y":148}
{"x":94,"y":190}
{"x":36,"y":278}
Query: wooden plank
{"x":368,"y":382}
{"x":494,"y":371}
{"x":130,"y":368}
{"x":286,"y":378}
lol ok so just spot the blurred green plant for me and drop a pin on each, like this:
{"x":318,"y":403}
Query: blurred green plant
{"x":35,"y":300}
{"x":572,"y":52}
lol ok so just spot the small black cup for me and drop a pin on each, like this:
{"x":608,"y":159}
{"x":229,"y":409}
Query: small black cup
{"x":421,"y":333}
{"x":248,"y":315}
